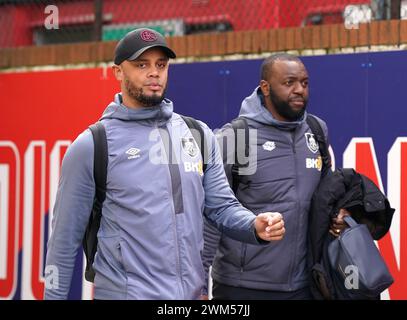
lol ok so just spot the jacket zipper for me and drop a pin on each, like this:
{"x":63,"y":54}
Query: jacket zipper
{"x":297,"y":208}
{"x":174,"y":220}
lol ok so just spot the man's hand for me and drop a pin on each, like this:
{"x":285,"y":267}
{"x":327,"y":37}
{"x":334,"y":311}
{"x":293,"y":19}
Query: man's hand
{"x":270,"y":226}
{"x":338,"y":224}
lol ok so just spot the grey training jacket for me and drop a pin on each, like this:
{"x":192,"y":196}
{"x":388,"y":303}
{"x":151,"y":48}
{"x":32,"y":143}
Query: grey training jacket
{"x":283,"y":173}
{"x":150,"y":239}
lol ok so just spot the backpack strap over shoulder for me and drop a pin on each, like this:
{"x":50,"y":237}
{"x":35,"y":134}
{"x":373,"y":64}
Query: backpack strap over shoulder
{"x":238,"y":124}
{"x":199,"y":136}
{"x":100,"y":160}
{"x":316,"y":129}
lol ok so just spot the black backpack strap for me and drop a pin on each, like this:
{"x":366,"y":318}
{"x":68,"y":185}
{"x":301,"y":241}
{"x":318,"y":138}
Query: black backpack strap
{"x":199,"y":136}
{"x":239,"y":123}
{"x":100,"y":160}
{"x":316,"y":129}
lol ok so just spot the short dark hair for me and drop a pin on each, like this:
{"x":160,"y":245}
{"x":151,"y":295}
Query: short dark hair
{"x":268,"y":63}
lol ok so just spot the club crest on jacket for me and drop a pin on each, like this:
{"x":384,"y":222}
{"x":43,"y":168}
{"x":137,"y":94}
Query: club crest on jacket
{"x":312,"y":144}
{"x":189,"y":146}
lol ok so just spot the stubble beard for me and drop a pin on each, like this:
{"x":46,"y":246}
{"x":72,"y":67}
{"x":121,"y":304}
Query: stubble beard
{"x":138,"y":96}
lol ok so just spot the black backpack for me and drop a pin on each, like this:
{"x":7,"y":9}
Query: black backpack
{"x":100,"y":160}
{"x":241,"y":123}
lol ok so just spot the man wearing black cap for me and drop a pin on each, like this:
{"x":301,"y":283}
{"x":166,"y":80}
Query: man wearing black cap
{"x":150,"y":237}
{"x":133,"y":56}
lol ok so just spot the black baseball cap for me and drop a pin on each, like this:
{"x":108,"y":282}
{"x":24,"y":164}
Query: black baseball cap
{"x":137,"y":41}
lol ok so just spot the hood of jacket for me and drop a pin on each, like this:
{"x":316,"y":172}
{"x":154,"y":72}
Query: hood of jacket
{"x":117,"y":110}
{"x":253,"y":108}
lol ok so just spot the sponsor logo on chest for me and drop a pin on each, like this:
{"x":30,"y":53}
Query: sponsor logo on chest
{"x":269,"y":145}
{"x":314,"y":163}
{"x":133,"y":153}
{"x":190,"y":166}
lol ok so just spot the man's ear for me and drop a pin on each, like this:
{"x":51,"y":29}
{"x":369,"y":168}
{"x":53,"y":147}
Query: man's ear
{"x":265,"y":88}
{"x":118,"y":72}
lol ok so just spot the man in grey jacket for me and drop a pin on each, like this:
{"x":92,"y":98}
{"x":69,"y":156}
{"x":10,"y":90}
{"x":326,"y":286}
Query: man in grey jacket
{"x":284,"y":170}
{"x":150,"y":237}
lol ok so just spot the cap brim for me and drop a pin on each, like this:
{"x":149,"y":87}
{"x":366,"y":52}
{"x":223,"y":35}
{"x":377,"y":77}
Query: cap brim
{"x":168,"y":52}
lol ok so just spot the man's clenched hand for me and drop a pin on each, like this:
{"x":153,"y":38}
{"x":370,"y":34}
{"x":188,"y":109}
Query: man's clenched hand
{"x":270,"y":226}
